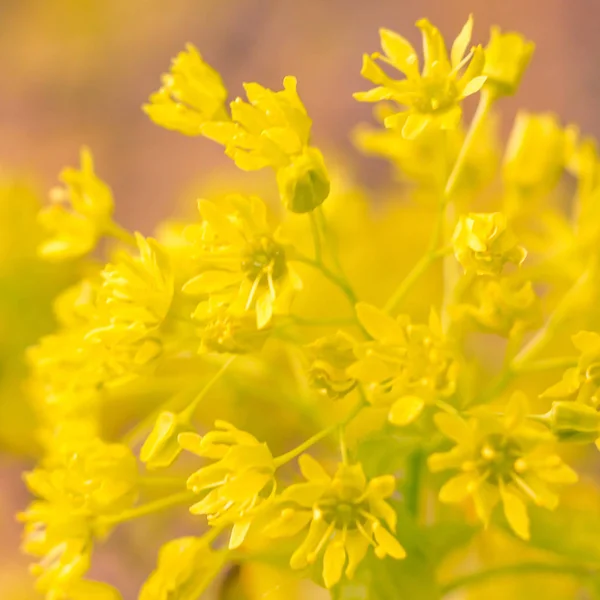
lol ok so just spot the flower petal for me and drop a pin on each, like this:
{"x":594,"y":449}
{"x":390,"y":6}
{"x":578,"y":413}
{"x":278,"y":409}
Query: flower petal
{"x":333,"y":563}
{"x":405,"y":410}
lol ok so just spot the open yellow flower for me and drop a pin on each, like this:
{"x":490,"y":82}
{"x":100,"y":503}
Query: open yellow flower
{"x":406,"y":367}
{"x":79,"y":214}
{"x":483,"y":243}
{"x":345,"y":514}
{"x":243,"y":266}
{"x":237,"y":485}
{"x":81,"y":482}
{"x":192,"y":94}
{"x":432,"y":97}
{"x":505,"y":459}
{"x":184,"y":564}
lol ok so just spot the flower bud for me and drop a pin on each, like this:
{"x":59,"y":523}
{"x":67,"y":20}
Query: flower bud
{"x":575,"y":421}
{"x":161,"y":448}
{"x":535,"y":152}
{"x":304,"y":183}
{"x":507,"y":55}
{"x":483,"y":243}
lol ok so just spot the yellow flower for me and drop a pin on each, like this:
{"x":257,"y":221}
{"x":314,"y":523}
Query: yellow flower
{"x":501,"y":459}
{"x":580,"y":384}
{"x":244,"y":267}
{"x":434,"y":96}
{"x":329,"y":358}
{"x":421,"y":161}
{"x":79,"y":214}
{"x":82,"y":481}
{"x":406,"y":367}
{"x":237,"y":485}
{"x":345,"y":515}
{"x":536,"y":153}
{"x":136,"y":295}
{"x":184,"y":564}
{"x":483,"y":243}
{"x":507,"y":56}
{"x":161,"y":447}
{"x":503,"y":306}
{"x":192,"y":94}
{"x":272,"y":129}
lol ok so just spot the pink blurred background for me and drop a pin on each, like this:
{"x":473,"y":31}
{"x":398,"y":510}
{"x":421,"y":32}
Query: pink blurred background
{"x":77,"y":71}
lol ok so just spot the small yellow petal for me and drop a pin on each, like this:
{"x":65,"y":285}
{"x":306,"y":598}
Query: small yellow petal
{"x":333,"y":563}
{"x":405,"y":410}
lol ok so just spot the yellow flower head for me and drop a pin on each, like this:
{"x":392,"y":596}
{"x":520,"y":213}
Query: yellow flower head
{"x":192,"y":94}
{"x":329,"y":358}
{"x":272,"y":129}
{"x":582,"y":385}
{"x":238,"y":484}
{"x":345,"y":514}
{"x":503,"y":306}
{"x":184,"y":565}
{"x":79,"y":214}
{"x":229,"y":333}
{"x":83,"y":481}
{"x":433,"y":96}
{"x":406,"y":367}
{"x":136,"y":296}
{"x":243,"y":266}
{"x":507,"y":56}
{"x":501,"y":458}
{"x":483,"y":243}
{"x":536,"y":153}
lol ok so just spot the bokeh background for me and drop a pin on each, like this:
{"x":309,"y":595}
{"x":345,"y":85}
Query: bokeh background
{"x":77,"y":71}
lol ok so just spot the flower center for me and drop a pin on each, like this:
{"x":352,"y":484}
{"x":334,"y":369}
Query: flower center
{"x":437,"y":94}
{"x":264,"y":257}
{"x":498,"y":457}
{"x":343,"y":514}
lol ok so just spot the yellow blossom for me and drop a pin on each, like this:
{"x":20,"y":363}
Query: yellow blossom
{"x":483,"y":243}
{"x":82,"y":482}
{"x":507,"y":56}
{"x":535,"y":153}
{"x":503,"y":306}
{"x":272,"y":129}
{"x":432,"y":97}
{"x":185,"y":565}
{"x":192,"y":94}
{"x":243,"y":266}
{"x":235,"y":487}
{"x":329,"y":358}
{"x":505,"y":459}
{"x":345,"y":515}
{"x":406,"y":367}
{"x":79,"y":214}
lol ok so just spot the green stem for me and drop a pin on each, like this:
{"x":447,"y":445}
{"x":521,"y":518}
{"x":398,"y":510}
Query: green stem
{"x":316,"y":237}
{"x":188,"y":412}
{"x":414,"y":475}
{"x":539,"y":341}
{"x":340,"y":282}
{"x":288,"y":456}
{"x":413,"y":276}
{"x":531,"y":568}
{"x":147,"y":509}
{"x":329,"y":238}
{"x":137,"y":434}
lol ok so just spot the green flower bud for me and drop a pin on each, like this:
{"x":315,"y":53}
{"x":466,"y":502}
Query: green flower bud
{"x":304,"y":183}
{"x":161,"y":448}
{"x":574,"y":421}
{"x":507,"y":55}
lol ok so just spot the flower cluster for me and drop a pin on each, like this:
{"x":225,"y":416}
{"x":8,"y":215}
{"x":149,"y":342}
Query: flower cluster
{"x":307,"y":376}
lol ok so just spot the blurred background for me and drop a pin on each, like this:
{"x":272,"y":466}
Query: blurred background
{"x":77,"y":71}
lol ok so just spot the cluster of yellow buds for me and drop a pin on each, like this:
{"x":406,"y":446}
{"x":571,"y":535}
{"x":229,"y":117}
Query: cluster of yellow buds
{"x":336,"y":388}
